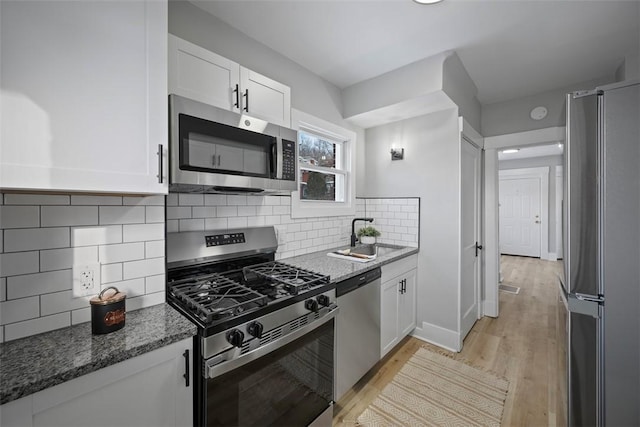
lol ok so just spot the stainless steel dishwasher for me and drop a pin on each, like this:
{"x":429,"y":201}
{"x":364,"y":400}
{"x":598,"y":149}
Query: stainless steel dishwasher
{"x":357,"y":328}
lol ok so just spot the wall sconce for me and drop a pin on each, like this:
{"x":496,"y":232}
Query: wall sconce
{"x":397,"y":153}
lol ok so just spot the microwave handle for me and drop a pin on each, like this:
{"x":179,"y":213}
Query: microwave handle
{"x":276,"y":157}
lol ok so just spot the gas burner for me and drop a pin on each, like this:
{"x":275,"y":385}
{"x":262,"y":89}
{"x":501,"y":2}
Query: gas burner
{"x":294,"y":279}
{"x":214,"y":297}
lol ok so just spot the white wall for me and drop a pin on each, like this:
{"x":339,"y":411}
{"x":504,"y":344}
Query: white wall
{"x":514,"y":116}
{"x":430,"y":171}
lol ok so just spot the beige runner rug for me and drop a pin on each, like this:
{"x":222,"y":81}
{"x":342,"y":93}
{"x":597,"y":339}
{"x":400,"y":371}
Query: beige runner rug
{"x":435,"y":390}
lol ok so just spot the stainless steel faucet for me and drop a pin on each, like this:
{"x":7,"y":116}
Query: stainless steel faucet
{"x":353,"y":233}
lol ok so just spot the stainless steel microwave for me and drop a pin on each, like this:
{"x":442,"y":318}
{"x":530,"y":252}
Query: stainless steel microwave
{"x":219,"y":151}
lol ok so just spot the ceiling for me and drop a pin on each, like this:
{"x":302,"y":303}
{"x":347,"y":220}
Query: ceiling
{"x":511,"y":49}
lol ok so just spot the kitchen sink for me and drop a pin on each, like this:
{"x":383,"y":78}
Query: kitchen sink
{"x":372,"y":250}
{"x":362,"y":253}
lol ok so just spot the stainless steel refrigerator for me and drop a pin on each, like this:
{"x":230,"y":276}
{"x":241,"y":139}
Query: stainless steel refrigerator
{"x":601,"y":236}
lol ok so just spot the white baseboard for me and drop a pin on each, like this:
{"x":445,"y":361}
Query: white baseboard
{"x":439,"y":336}
{"x":489,"y":308}
{"x":551,"y":256}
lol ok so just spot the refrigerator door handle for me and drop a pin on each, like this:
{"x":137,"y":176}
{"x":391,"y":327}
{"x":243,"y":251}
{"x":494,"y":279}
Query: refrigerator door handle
{"x":585,"y":304}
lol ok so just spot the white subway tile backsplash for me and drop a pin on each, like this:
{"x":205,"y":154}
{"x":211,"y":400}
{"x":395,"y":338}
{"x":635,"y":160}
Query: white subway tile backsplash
{"x":36,"y":326}
{"x":121,"y":215}
{"x":255,"y":221}
{"x":239,"y":222}
{"x":143,"y":268}
{"x":39,"y":283}
{"x":56,"y":216}
{"x":28,"y":239}
{"x":18,"y":310}
{"x":271,"y":200}
{"x":59,"y":259}
{"x":172,"y":199}
{"x":216,"y":223}
{"x":227,"y":211}
{"x":142,"y":232}
{"x":132,"y":288}
{"x":19,"y":216}
{"x":13,"y":264}
{"x":35,"y":199}
{"x":143,"y":201}
{"x":3,"y":289}
{"x":111,"y":273}
{"x":192,"y":224}
{"x":109,"y":254}
{"x":178,"y":212}
{"x":254,"y":200}
{"x":145,"y":301}
{"x":190,"y":199}
{"x":215,"y":199}
{"x":154,"y":214}
{"x":154,"y":283}
{"x":173,"y":225}
{"x":282,"y":210}
{"x":203,"y":212}
{"x":96,"y":200}
{"x":264,"y":210}
{"x":236,"y":200}
{"x":247,"y":211}
{"x":81,"y":315}
{"x":154,"y":249}
{"x":101,"y":235}
{"x":59,"y":302}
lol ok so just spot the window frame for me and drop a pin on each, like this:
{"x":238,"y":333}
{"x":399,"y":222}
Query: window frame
{"x":304,"y":208}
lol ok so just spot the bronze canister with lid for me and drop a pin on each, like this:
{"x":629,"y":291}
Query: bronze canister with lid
{"x":108,"y":311}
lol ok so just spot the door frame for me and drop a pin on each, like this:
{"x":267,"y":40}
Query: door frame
{"x":541,"y":173}
{"x":491,"y":222}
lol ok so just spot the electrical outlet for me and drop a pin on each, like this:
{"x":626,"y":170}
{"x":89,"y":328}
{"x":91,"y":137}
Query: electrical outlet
{"x":86,"y":280}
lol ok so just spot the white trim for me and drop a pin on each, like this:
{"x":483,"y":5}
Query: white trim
{"x":439,"y":336}
{"x":543,"y":174}
{"x":532,"y":137}
{"x":308,"y":209}
{"x":559,"y":198}
{"x":491,"y":236}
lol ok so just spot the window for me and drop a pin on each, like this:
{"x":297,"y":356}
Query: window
{"x":325,"y":169}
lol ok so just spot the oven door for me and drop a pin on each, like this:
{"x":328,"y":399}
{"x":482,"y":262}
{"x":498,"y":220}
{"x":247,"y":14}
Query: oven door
{"x":292,"y":385}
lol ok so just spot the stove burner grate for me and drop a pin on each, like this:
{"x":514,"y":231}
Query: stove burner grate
{"x":214,"y":296}
{"x":293,"y":278}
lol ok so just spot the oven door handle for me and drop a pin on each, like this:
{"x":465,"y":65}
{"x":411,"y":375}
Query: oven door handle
{"x":214,"y":368}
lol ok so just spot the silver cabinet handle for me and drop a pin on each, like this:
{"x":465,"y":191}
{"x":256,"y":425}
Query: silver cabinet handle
{"x":213,"y":160}
{"x":160,"y":172}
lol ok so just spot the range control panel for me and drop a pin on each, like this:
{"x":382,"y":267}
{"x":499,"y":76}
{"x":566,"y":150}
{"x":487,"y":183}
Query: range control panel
{"x":224,"y":239}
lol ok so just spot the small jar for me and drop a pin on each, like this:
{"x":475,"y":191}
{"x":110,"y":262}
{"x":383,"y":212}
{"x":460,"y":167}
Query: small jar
{"x":108,"y":311}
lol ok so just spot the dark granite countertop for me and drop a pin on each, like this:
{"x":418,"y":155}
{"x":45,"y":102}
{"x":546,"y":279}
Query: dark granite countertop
{"x":35,"y":363}
{"x":341,"y":269}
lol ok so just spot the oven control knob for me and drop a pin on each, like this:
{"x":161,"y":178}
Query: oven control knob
{"x":311,"y":305}
{"x":255,"y":329}
{"x":323,"y":300}
{"x":235,"y":337}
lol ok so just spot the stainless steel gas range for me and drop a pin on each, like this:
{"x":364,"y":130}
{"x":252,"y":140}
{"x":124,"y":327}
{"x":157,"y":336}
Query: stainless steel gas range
{"x":265,"y":349}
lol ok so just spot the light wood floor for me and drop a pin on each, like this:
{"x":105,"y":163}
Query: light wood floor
{"x":518,"y":345}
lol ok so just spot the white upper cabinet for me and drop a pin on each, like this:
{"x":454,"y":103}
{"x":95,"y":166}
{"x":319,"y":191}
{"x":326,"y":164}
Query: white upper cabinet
{"x":204,"y":76}
{"x":84,"y":105}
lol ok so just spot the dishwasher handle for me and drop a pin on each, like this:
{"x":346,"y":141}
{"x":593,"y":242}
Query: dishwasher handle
{"x":355,"y":282}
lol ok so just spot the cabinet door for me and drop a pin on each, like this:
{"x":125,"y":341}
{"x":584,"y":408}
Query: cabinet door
{"x":204,"y":76}
{"x":84,"y":100}
{"x":407,"y":306}
{"x":265,"y":98}
{"x":389,"y":297}
{"x":147,"y":390}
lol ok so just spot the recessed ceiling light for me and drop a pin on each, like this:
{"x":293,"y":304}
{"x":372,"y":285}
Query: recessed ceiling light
{"x":538,"y":113}
{"x":511,"y":150}
{"x":427,"y":1}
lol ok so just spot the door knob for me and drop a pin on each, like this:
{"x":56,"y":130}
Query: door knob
{"x":537,"y":221}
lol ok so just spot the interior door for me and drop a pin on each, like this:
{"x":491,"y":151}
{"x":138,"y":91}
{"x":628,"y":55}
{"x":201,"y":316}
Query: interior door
{"x":520,"y":216}
{"x":470,"y":236}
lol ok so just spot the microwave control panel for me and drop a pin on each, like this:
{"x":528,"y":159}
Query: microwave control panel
{"x":288,"y":160}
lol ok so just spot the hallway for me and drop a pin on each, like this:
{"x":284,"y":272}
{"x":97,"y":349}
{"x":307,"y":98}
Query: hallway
{"x":519,"y":345}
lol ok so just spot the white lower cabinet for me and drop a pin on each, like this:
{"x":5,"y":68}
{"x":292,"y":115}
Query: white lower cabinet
{"x":147,"y":390}
{"x":398,"y":302}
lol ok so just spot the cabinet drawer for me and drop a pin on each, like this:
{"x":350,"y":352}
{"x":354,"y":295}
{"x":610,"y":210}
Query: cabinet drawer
{"x":396,"y":268}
